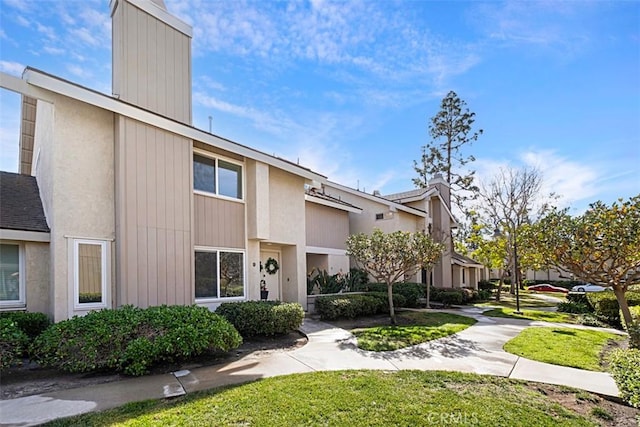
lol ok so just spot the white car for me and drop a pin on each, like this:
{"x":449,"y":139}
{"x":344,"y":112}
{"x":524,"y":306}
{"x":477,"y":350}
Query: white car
{"x":589,"y":287}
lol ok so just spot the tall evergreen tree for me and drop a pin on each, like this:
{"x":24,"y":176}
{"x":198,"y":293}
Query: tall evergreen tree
{"x":450,"y":129}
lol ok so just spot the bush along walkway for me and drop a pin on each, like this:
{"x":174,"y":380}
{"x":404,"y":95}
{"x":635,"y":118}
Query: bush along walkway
{"x":477,"y":349}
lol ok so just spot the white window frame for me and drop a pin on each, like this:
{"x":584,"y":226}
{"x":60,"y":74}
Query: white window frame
{"x":104,"y":247}
{"x":217,"y":159}
{"x":21,"y":302}
{"x":244,"y":274}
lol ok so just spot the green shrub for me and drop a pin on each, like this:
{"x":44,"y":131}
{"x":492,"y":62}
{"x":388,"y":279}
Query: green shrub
{"x":606,"y":308}
{"x":469,"y":295}
{"x":625,"y":369}
{"x":579,"y":298}
{"x":449,"y":298}
{"x":13,"y":343}
{"x":484,"y":295}
{"x":589,"y":319}
{"x":398,"y":300}
{"x":573,"y":307}
{"x":252,"y":318}
{"x":411,"y":292}
{"x":131,"y":339}
{"x":348,"y":306}
{"x":486,"y":285}
{"x":357,"y":280}
{"x":32,"y":324}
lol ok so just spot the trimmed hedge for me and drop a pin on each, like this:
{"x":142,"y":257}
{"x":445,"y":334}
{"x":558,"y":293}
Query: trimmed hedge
{"x":131,"y":339}
{"x":580,"y":298}
{"x":252,"y":318}
{"x":398,"y":300}
{"x":348,"y":305}
{"x":411,"y":292}
{"x":32,"y":324}
{"x":574,"y":307}
{"x":13,"y":343}
{"x":606,"y":308}
{"x":625,"y":369}
{"x":455,"y":296}
{"x":486,"y":285}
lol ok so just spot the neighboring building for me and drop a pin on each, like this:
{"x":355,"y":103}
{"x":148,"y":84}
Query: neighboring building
{"x":24,"y":245}
{"x":136,"y":206}
{"x":466,"y":272}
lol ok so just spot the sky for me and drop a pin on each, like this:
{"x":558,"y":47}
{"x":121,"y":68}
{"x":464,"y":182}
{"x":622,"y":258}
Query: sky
{"x":347,"y":88}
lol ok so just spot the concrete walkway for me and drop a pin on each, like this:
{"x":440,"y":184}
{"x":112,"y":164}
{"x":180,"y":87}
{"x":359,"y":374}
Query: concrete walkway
{"x":477,"y":349}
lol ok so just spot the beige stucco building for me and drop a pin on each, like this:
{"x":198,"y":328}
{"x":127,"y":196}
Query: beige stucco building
{"x":142,"y":208}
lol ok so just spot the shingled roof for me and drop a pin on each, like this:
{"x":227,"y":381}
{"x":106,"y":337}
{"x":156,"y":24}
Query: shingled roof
{"x":20,"y":204}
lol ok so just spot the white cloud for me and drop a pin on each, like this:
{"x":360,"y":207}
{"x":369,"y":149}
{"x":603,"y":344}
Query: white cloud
{"x":79,"y":71}
{"x":21,"y":20}
{"x":14,"y":68}
{"x":21,"y":5}
{"x":571,"y":181}
{"x":48,"y":32}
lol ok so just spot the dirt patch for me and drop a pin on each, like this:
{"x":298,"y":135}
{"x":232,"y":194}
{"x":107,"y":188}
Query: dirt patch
{"x":30,"y":379}
{"x":604,"y":410}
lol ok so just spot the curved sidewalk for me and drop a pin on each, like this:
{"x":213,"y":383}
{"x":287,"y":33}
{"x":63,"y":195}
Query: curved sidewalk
{"x":477,"y":349}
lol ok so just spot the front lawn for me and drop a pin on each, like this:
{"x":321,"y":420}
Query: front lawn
{"x":414,"y":328}
{"x":576,"y":348}
{"x":527,"y":299}
{"x":371,"y":398}
{"x":544,"y":316}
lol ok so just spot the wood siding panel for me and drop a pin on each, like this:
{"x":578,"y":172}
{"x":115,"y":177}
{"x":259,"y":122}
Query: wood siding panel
{"x":154,"y":216}
{"x":219,"y":222}
{"x":152,"y":63}
{"x":326,"y":227}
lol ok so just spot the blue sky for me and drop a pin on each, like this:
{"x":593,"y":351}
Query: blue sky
{"x":347,"y":88}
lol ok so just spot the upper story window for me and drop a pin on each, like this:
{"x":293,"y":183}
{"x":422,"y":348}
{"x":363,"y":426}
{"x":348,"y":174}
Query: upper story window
{"x":379,"y":216}
{"x":12,"y":292}
{"x":216,"y":176}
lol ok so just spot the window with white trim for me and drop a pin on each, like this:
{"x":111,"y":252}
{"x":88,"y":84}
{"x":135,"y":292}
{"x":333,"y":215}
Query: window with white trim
{"x":12,"y":286}
{"x":219,"y":274}
{"x":216,"y":176}
{"x":90,"y":273}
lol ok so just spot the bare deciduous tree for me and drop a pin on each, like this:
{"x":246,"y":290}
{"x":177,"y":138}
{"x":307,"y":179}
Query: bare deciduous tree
{"x":510,"y":201}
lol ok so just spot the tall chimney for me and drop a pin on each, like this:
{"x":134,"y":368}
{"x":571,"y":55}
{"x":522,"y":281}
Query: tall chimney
{"x":151,"y":58}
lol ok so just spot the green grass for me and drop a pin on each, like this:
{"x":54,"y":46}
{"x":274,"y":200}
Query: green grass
{"x":527,"y":299}
{"x":424,"y":327}
{"x":577,"y":348}
{"x":544,"y":316}
{"x":353,"y":398}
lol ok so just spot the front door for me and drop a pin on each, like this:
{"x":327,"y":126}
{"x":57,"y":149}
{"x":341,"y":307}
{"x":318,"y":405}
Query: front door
{"x":272,"y":280}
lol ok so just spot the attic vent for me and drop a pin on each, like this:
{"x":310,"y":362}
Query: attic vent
{"x":379,"y":216}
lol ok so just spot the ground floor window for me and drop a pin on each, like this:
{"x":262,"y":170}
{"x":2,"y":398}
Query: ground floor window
{"x":219,"y":274}
{"x":90,"y":273}
{"x":12,"y":293}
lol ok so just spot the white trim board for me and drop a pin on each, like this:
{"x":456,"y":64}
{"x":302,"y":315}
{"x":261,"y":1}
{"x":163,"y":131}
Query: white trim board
{"x":36,"y":79}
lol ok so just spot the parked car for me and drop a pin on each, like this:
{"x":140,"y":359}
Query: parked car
{"x":545,"y":287}
{"x":589,"y":287}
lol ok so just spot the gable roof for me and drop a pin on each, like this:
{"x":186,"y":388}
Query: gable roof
{"x":411,"y":195}
{"x":377,"y":199}
{"x":33,"y":82}
{"x":20,"y":204}
{"x":315,"y":196}
{"x":464,"y":261}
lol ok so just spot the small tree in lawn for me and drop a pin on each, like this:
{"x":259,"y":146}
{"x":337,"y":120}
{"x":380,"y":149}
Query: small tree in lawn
{"x":389,"y":258}
{"x":601,"y":246}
